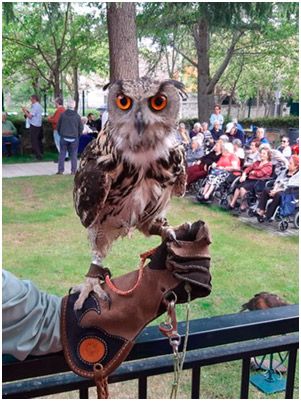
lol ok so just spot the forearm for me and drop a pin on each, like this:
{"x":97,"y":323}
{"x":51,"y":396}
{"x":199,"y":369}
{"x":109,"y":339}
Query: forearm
{"x":30,"y":319}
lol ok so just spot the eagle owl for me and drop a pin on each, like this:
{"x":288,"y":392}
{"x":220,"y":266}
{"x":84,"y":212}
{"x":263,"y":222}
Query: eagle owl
{"x":127,"y":176}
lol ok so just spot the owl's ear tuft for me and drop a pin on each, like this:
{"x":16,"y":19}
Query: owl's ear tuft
{"x":106,"y":86}
{"x":110,"y":84}
{"x":177,"y":84}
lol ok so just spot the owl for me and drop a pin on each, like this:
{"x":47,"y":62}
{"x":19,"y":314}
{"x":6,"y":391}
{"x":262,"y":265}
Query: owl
{"x":129,"y":173}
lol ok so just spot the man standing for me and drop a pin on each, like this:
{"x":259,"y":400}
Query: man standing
{"x":69,"y":127}
{"x":35,"y":120}
{"x":54,"y":120}
{"x":9,"y":133}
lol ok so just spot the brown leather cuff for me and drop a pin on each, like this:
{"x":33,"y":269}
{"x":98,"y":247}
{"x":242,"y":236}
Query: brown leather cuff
{"x":96,"y":271}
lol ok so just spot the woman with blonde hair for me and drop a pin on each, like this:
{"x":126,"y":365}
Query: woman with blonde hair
{"x":227,"y":163}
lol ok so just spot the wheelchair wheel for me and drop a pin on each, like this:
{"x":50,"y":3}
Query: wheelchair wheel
{"x":251,"y":212}
{"x":223,"y":202}
{"x":296,"y":220}
{"x":260,"y":219}
{"x":283,"y":225}
{"x":278,"y":216}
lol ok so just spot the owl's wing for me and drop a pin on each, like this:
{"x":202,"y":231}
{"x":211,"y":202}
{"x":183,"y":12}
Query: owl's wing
{"x":179,"y":170}
{"x":92,"y":181}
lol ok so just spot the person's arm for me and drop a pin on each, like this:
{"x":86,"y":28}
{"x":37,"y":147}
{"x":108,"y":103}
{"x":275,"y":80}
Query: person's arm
{"x":80,"y":126}
{"x":264,"y":171}
{"x":250,"y":168}
{"x":30,"y":319}
{"x":59,"y":124}
{"x":212,"y":119}
{"x":54,"y":118}
{"x":28,"y":114}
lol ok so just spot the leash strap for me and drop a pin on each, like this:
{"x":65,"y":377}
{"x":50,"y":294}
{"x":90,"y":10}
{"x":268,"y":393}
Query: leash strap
{"x":143,"y":258}
{"x":101,"y":382}
{"x":170,"y":329}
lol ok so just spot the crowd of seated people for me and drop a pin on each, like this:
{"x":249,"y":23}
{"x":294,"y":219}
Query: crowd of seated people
{"x":217,"y":155}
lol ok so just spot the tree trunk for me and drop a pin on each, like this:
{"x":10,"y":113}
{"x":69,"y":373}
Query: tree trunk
{"x":122,"y":41}
{"x":75,"y":84}
{"x":57,"y":89}
{"x":205,"y":98}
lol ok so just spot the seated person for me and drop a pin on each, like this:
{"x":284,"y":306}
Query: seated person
{"x":288,"y":178}
{"x":200,"y":168}
{"x":196,"y":150}
{"x":285,"y":148}
{"x":92,"y":123}
{"x":295,"y":148}
{"x":208,"y":139}
{"x":182,"y":135}
{"x":239,"y":126}
{"x":279,"y":161}
{"x":197,"y":128}
{"x":86,"y":137}
{"x":234,"y":133}
{"x":260,"y":136}
{"x":9,"y":133}
{"x":238,"y":151}
{"x":219,"y":172}
{"x":259,"y":170}
{"x":216,"y":131}
{"x":252,"y":154}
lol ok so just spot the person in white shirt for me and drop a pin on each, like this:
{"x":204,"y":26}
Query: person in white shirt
{"x":285,"y":148}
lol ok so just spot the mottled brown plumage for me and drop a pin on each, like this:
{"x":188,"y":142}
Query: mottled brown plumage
{"x":264,"y":300}
{"x":128,"y":175}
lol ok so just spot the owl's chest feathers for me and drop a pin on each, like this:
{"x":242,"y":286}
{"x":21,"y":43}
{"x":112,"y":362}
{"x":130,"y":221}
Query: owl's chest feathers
{"x":139,"y":195}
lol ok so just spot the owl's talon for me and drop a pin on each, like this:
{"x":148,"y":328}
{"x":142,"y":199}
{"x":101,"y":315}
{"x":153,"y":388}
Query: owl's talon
{"x":170,"y":235}
{"x":91,"y":284}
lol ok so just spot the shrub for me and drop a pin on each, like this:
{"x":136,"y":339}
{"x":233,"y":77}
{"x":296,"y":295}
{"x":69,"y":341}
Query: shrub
{"x":23,"y":132}
{"x":272,"y":122}
{"x":266,"y":122}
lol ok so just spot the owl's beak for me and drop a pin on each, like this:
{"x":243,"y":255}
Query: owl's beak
{"x":139,"y":122}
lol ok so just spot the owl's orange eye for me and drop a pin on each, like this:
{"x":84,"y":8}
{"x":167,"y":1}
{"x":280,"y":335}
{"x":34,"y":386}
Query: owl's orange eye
{"x":124,"y":102}
{"x":158,"y":102}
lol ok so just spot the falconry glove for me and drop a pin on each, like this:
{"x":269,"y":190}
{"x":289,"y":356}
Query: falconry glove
{"x":97,"y":338}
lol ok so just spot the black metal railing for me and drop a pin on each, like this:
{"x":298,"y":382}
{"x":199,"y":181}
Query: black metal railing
{"x":211,"y":341}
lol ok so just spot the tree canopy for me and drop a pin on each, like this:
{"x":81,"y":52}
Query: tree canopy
{"x":240,"y":50}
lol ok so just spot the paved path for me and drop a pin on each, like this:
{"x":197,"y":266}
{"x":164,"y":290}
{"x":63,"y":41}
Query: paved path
{"x":29,"y":169}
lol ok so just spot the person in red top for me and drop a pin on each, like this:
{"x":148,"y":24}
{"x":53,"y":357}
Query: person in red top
{"x":227,"y":163}
{"x":54,"y":120}
{"x":260,"y":170}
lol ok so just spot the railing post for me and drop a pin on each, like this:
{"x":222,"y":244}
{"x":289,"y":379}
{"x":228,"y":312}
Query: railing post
{"x":142,"y":387}
{"x":195,"y":382}
{"x":291,"y":369}
{"x":245,"y":377}
{"x":84,"y":393}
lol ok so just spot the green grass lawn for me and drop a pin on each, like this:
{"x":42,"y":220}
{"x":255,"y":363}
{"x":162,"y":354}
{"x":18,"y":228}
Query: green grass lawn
{"x":27,"y":158}
{"x":43,"y":240}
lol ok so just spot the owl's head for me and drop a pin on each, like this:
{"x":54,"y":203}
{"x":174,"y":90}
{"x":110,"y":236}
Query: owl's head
{"x":142,"y":116}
